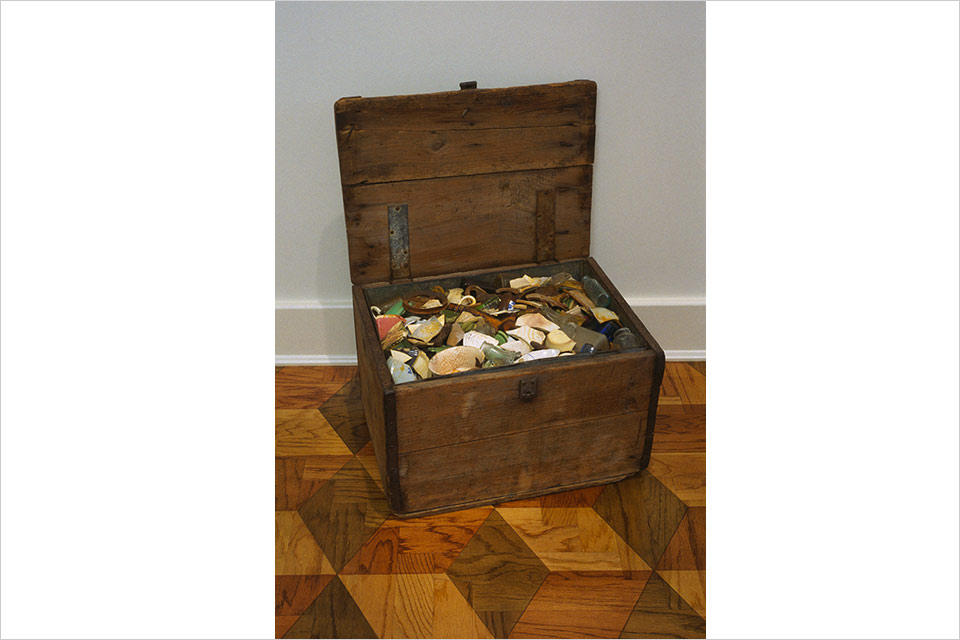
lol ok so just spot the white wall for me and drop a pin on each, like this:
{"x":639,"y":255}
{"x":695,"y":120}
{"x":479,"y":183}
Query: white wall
{"x":648,"y":60}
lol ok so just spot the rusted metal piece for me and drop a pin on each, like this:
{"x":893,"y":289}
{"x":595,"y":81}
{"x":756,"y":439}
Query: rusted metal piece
{"x":399,"y":241}
{"x":528,"y":388}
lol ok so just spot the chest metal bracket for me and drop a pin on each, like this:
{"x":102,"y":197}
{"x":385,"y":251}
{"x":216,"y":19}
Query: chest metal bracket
{"x":399,"y":241}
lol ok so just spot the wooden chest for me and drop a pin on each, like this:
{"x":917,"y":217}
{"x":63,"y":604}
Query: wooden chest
{"x":474,"y":183}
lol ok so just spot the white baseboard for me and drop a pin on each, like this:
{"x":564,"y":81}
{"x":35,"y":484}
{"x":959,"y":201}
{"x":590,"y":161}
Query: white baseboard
{"x":314,"y":333}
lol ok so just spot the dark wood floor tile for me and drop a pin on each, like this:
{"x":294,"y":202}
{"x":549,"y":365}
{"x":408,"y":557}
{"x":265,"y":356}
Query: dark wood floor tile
{"x":344,"y":411}
{"x":680,"y":428}
{"x":497,"y":574}
{"x":291,"y":489}
{"x":333,"y":614}
{"x":284,"y":623}
{"x":687,"y":548}
{"x":345,"y":512}
{"x":295,"y":593}
{"x":643,"y":512}
{"x":662,"y":613}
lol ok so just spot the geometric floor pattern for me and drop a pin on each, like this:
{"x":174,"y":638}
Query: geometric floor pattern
{"x":624,"y":560}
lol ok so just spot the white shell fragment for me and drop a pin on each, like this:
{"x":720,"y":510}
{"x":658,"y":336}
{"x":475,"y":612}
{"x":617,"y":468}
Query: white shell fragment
{"x":537,"y":321}
{"x":427,"y":330}
{"x":454,"y":295}
{"x":528,"y":334}
{"x":602,"y":314}
{"x":456,"y":335}
{"x":455,"y":359}
{"x":465,"y":316}
{"x":432,"y":303}
{"x":476,"y":339}
{"x":519,"y":346}
{"x":538,"y":355}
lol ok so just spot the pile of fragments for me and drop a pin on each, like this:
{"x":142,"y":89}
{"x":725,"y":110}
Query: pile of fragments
{"x":442,"y":332}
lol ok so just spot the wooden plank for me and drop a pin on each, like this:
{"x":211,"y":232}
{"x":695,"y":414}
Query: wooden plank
{"x":627,"y":315}
{"x":547,"y":458}
{"x":546,"y":225}
{"x":377,"y":393}
{"x":534,"y":105}
{"x":456,"y":409}
{"x":465,"y":223}
{"x":368,"y":157}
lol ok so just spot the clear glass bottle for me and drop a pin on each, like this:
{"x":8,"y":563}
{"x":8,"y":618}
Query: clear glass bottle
{"x":626,"y":339}
{"x":583,"y":336}
{"x":563,"y":320}
{"x":595,"y":292}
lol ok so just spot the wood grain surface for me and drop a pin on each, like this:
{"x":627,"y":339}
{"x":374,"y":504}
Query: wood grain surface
{"x":544,"y":105}
{"x":454,"y":221}
{"x":626,"y":559}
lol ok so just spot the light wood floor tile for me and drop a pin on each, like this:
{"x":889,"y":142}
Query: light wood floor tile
{"x":684,"y":474}
{"x":297,"y":553}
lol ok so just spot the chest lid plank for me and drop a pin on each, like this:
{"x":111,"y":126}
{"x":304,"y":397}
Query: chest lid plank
{"x":444,"y":182}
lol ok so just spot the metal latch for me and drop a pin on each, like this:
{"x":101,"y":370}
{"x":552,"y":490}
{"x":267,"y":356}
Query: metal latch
{"x":528,"y":388}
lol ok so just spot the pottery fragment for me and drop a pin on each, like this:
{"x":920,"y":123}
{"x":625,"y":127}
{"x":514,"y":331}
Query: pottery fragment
{"x":455,"y":359}
{"x":421,"y":365}
{"x":400,"y":371}
{"x":537,"y":321}
{"x":559,"y":340}
{"x":456,"y":335}
{"x":476,"y":339}
{"x":427,"y":330}
{"x":602,"y":314}
{"x":399,"y":356}
{"x":539,"y":355}
{"x":519,"y":346}
{"x":528,"y":334}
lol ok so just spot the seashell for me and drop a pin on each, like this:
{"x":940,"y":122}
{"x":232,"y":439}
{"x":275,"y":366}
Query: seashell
{"x":465,"y":316}
{"x":455,"y":359}
{"x":539,"y":355}
{"x":421,"y":365}
{"x":529,"y":334}
{"x":399,"y":356}
{"x":519,"y":346}
{"x":456,"y":335}
{"x":602,"y":314}
{"x":454,"y":295}
{"x":560,"y":341}
{"x":385,"y":323}
{"x":537,"y":321}
{"x":427,"y":330}
{"x":476,"y":339}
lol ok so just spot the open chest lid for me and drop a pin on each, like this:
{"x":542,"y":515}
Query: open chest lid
{"x":445,"y":182}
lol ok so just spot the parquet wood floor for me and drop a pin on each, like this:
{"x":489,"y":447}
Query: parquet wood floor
{"x":625,"y":560}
